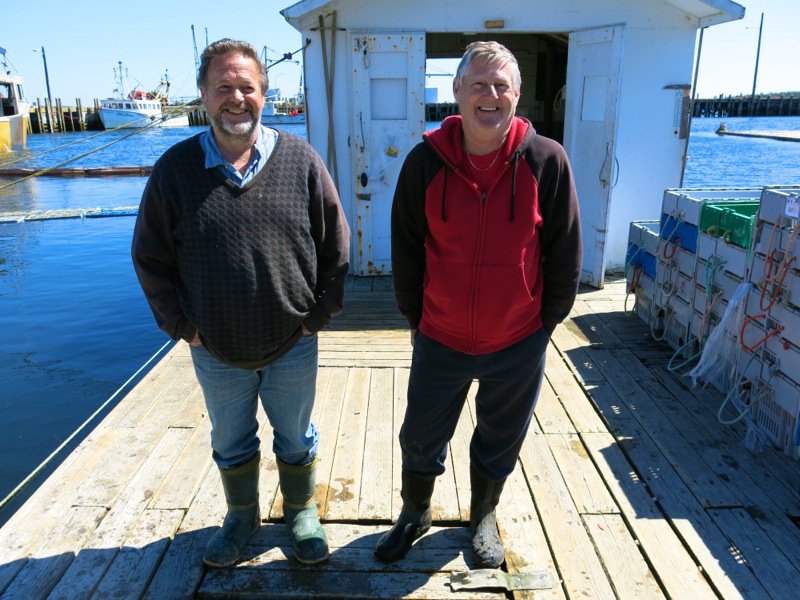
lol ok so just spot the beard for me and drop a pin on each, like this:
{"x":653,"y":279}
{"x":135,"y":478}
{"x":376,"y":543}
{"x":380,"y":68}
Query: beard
{"x":235,"y":131}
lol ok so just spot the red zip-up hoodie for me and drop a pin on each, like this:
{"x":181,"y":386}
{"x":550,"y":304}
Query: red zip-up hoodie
{"x":480,"y":271}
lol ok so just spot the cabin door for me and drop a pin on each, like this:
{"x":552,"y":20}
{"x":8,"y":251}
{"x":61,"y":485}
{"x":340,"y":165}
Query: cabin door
{"x":388,"y":119}
{"x":593,"y":75}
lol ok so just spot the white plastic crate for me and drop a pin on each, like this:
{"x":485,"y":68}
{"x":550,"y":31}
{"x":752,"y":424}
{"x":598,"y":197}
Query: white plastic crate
{"x":788,"y":317}
{"x":701,"y":301}
{"x":734,"y":258}
{"x":778,"y":205}
{"x":769,"y":237}
{"x":668,"y":253}
{"x":678,"y":322}
{"x":784,"y":355}
{"x":776,"y":411}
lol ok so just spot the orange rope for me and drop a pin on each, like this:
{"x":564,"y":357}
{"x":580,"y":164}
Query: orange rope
{"x":777,"y":284}
{"x":675,"y":244}
{"x":749,"y":320}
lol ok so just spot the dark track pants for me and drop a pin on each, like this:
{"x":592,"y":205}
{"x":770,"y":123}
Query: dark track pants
{"x":509,"y":383}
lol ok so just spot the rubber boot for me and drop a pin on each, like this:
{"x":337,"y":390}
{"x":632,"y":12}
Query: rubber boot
{"x":309,"y":542}
{"x":486,"y":542}
{"x":413,"y":522}
{"x":243,"y":518}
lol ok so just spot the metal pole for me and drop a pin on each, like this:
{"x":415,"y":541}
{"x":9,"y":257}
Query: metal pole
{"x":46,"y":76}
{"x":685,"y":157}
{"x":755,"y":73}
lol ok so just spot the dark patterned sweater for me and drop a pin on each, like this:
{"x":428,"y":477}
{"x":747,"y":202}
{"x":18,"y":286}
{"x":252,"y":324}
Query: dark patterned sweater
{"x":243,"y":267}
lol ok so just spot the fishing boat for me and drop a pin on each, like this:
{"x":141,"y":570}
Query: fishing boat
{"x":131,"y":108}
{"x":272,"y":115}
{"x":14,"y":110}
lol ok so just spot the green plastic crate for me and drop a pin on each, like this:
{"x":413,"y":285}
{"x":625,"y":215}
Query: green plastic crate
{"x":732,"y":220}
{"x":738,"y":224}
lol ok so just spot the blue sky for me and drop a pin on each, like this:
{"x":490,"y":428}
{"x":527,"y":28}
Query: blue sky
{"x":150,"y":37}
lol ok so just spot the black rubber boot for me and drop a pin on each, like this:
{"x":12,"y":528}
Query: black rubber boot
{"x":486,"y":540}
{"x":309,"y":542}
{"x":243,"y":518}
{"x":413,"y":522}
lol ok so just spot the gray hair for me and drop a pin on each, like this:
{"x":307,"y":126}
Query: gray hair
{"x":490,"y":52}
{"x":224,"y":46}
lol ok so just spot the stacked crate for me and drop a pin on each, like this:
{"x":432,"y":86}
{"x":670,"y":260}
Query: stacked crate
{"x":686,"y":249}
{"x":770,"y":334}
{"x":707,"y":243}
{"x":723,"y":254}
{"x":640,"y":266}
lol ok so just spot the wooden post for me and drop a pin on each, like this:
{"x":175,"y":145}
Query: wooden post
{"x":49,"y":108}
{"x":39,"y":120}
{"x":81,"y":121}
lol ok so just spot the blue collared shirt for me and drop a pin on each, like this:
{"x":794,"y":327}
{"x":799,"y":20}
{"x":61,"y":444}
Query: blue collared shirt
{"x":264,"y":145}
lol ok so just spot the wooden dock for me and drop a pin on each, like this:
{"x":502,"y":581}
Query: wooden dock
{"x":627,"y":485}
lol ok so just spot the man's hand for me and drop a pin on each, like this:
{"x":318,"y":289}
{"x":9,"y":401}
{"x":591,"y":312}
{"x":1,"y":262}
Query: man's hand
{"x":196,"y":340}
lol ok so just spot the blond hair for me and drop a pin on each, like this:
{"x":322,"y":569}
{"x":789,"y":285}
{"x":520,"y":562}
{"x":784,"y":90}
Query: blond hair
{"x":490,"y":52}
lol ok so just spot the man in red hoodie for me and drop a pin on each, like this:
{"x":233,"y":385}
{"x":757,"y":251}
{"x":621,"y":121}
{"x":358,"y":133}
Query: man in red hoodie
{"x":486,"y":259}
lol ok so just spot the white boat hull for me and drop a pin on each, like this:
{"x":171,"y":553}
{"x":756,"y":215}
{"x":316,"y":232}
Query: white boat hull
{"x":281,"y":119}
{"x":115,"y":118}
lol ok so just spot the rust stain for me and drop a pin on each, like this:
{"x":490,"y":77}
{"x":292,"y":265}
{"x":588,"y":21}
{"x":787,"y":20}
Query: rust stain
{"x":579,"y":449}
{"x":345,"y":494}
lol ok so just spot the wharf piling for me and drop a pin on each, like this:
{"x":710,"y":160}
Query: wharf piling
{"x":55,"y":117}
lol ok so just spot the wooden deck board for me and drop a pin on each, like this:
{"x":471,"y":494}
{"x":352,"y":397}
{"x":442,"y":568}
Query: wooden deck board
{"x":627,"y":486}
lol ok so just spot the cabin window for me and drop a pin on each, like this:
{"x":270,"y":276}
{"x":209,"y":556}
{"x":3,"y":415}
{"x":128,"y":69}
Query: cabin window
{"x":388,"y":99}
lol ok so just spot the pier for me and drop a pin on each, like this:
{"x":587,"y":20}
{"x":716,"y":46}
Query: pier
{"x":760,"y":105}
{"x":627,"y":485}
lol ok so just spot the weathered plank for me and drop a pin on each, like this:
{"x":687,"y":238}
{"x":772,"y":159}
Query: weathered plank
{"x":578,"y":564}
{"x":624,"y":562}
{"x":346,"y":478}
{"x":375,"y":498}
{"x":129,"y":574}
{"x":586,"y":486}
{"x":674,"y":566}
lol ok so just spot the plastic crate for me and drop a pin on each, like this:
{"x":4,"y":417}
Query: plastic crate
{"x":733,"y":220}
{"x":777,"y":412}
{"x":639,"y":257}
{"x":738,"y":223}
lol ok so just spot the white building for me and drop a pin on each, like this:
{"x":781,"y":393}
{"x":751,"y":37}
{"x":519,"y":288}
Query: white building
{"x":607,"y":78}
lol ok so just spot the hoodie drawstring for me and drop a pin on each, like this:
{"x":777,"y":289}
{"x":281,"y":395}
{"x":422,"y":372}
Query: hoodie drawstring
{"x":515,"y":161}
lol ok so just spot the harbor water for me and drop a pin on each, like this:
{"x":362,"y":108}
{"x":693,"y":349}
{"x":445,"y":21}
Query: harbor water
{"x":74,"y":326}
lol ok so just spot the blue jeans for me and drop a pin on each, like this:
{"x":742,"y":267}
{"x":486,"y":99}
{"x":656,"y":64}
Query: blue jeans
{"x":508,"y":389}
{"x":286,"y":388}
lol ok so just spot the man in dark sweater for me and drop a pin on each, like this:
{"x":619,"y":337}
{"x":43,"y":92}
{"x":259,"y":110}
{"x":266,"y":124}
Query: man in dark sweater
{"x":241,"y":247}
{"x":486,"y":257}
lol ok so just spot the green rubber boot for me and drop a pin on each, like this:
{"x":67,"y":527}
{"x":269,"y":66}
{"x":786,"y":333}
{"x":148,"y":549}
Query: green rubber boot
{"x":309,"y":542}
{"x":486,"y":542}
{"x":414,"y":520}
{"x":243,"y":518}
